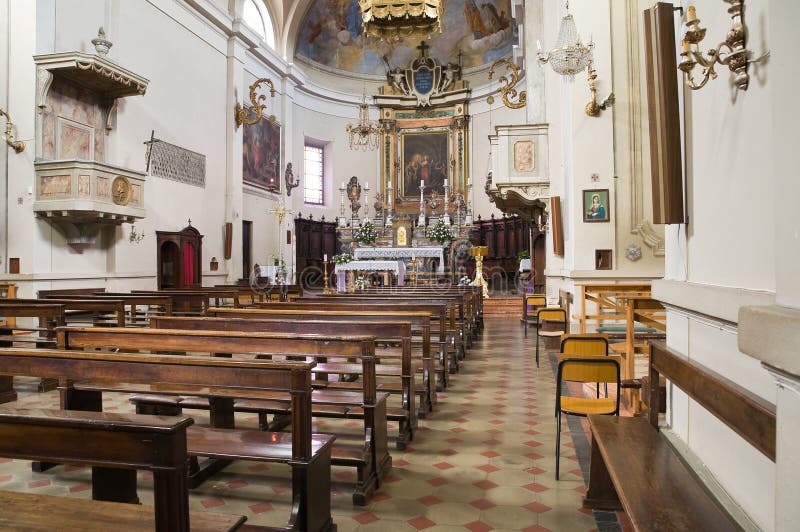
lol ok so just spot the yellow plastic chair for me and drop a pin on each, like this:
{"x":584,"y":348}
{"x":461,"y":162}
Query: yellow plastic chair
{"x":550,"y":315}
{"x":582,"y":369}
{"x":585,"y":344}
{"x":529,"y":316}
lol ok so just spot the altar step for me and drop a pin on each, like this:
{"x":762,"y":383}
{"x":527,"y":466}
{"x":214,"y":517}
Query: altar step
{"x":502,"y":306}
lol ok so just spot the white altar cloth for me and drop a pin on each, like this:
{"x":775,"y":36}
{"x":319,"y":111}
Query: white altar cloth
{"x":524,"y":265}
{"x":401,"y":253}
{"x":397,"y":267}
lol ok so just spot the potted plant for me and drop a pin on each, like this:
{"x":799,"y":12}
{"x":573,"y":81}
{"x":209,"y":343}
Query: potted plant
{"x":439,"y":232}
{"x":366,"y":234}
{"x":524,"y":254}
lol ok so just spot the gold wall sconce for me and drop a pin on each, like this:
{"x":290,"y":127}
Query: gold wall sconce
{"x":18,"y":145}
{"x":593,"y":108}
{"x":732,"y":52}
{"x":241,"y":113}
{"x":507,"y":90}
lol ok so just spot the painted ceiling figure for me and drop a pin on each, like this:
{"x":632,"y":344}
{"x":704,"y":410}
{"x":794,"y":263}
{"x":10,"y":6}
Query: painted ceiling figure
{"x":475,"y":20}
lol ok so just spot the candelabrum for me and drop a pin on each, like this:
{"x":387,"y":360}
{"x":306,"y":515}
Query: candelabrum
{"x":342,"y":219}
{"x":366,"y":203}
{"x":413,"y":263}
{"x":326,"y":288}
{"x":447,"y":199}
{"x":421,"y":220}
{"x":732,"y":52}
{"x":468,"y":216}
{"x":388,"y":205}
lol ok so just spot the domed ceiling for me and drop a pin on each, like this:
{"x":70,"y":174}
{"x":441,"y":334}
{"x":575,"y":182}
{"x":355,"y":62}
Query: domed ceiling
{"x":331,"y":35}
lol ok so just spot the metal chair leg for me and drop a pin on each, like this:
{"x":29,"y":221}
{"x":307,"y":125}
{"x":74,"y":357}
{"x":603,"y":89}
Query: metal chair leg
{"x":558,"y":442}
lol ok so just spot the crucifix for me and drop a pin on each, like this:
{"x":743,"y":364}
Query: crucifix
{"x":423,"y":49}
{"x":280,"y":212}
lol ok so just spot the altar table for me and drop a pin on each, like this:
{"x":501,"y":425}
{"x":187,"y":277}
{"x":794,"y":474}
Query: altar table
{"x":397,"y":267}
{"x":402,"y":253}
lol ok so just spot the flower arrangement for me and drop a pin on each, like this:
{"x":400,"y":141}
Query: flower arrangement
{"x":439,"y":232}
{"x":464,"y":281}
{"x":366,"y":233}
{"x":342,"y":258}
{"x":361,"y":282}
{"x":524,"y":254}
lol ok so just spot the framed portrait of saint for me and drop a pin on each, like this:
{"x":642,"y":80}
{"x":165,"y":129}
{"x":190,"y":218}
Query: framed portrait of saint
{"x":595,"y":205}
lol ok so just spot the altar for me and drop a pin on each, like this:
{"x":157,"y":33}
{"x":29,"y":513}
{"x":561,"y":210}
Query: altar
{"x":397,"y":267}
{"x":402,"y":253}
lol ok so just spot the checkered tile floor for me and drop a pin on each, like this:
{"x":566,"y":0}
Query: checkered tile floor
{"x":483,"y":461}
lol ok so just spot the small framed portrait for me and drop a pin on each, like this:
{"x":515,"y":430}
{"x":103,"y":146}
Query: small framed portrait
{"x":595,"y":205}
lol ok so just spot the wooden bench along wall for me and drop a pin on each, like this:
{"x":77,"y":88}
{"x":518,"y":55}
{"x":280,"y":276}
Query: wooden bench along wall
{"x":370,"y":457}
{"x":401,"y":369}
{"x":634,"y":468}
{"x":420,"y":326}
{"x":96,"y":439}
{"x":306,"y":453}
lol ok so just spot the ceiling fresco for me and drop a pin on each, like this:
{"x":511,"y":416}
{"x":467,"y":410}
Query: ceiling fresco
{"x":331,"y":35}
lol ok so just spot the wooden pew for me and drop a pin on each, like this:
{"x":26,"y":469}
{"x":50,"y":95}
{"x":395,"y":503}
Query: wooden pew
{"x":102,"y":312}
{"x":8,"y":291}
{"x":99,"y":439}
{"x":420,"y":326}
{"x":370,"y":456}
{"x":441,"y":311}
{"x":49,"y":316}
{"x":219,"y":379}
{"x":69,"y":293}
{"x":384,"y":332}
{"x":139,"y":306}
{"x":634,"y":468}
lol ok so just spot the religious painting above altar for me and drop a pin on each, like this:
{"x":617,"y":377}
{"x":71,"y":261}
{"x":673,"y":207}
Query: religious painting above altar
{"x":331,"y":35}
{"x":425,"y":160}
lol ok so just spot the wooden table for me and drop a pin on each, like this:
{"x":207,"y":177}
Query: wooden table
{"x":605,"y":295}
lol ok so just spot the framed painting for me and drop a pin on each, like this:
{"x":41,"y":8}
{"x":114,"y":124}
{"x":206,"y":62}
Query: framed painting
{"x":261,"y":154}
{"x":425,"y":157}
{"x":595,"y":205}
{"x":524,"y":159}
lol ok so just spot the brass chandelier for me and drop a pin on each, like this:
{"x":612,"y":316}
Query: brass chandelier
{"x":396,"y":18}
{"x":366,"y":134}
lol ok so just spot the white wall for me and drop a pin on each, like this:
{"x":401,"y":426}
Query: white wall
{"x":729,"y":167}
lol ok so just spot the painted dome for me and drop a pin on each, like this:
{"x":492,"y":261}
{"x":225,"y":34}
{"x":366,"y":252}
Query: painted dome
{"x":331,"y":36}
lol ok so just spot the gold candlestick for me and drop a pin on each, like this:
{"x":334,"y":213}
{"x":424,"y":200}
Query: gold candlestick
{"x":326,"y":289}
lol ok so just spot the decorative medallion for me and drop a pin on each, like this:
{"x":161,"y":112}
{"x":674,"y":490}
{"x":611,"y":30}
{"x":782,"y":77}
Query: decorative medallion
{"x":121,"y":190}
{"x":633,"y":252}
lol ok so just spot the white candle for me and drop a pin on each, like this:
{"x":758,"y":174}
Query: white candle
{"x":538,"y":45}
{"x":422,"y":182}
{"x":343,"y":186}
{"x":469,"y":181}
{"x":366,"y":186}
{"x":445,"y":184}
{"x":325,"y":257}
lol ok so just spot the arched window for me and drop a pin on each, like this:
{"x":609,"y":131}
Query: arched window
{"x":255,"y":15}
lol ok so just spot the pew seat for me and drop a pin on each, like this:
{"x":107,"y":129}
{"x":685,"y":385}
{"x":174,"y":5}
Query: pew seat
{"x":656,"y":489}
{"x":32,"y":511}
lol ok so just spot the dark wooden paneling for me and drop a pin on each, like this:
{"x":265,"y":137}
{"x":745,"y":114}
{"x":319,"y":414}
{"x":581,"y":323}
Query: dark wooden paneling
{"x":664,"y":118}
{"x":315,"y":239}
{"x":557,"y":225}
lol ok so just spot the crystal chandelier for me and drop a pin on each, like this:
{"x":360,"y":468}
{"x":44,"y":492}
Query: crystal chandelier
{"x":395,"y":18}
{"x":569,"y":56}
{"x":366,"y":134}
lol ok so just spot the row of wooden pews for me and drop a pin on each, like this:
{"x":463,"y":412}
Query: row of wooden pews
{"x":357,"y":350}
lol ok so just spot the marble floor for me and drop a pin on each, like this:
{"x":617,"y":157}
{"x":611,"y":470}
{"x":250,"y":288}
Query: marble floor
{"x":484,"y":460}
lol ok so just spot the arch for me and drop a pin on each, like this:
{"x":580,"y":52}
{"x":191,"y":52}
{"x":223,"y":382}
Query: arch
{"x":256,"y":16}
